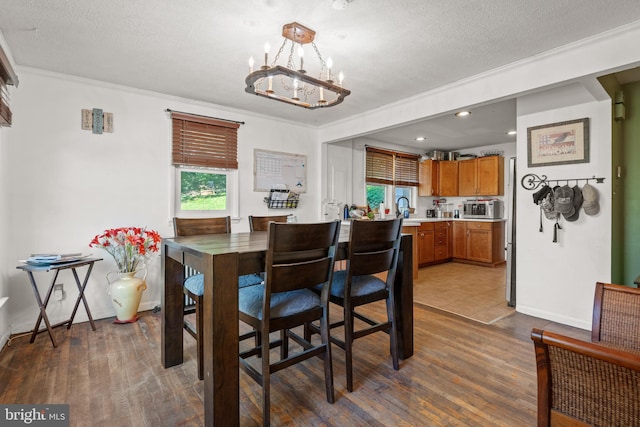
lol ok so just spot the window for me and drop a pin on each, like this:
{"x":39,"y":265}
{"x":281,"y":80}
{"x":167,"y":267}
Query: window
{"x":389,"y":176}
{"x":204,"y":152}
{"x":206,"y":192}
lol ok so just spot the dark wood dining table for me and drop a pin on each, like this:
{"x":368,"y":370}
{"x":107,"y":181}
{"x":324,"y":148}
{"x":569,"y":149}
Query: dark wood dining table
{"x":222,"y":258}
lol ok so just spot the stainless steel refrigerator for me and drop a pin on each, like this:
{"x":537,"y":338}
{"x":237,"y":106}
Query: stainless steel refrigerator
{"x":511,"y":234}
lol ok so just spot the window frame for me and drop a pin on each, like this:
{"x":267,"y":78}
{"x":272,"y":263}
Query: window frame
{"x":390,"y":194}
{"x":233,"y":193}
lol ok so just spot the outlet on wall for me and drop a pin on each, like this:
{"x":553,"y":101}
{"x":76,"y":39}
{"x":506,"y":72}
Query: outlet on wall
{"x":58,"y":291}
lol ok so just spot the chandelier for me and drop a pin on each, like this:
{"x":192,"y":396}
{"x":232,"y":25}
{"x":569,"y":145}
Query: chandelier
{"x":292,"y":84}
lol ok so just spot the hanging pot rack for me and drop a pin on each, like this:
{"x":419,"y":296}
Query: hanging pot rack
{"x":531,"y":181}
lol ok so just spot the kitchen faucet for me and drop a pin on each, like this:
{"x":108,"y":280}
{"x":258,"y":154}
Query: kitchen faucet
{"x":398,"y":213}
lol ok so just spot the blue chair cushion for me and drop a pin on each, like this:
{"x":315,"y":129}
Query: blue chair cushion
{"x":195,"y":284}
{"x":360,"y":285}
{"x":249,"y":280}
{"x":282,"y":303}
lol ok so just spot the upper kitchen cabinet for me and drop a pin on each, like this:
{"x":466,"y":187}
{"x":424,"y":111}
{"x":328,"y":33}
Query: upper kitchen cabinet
{"x":428,"y":178}
{"x":448,"y":178}
{"x":438,"y":178}
{"x":483,"y":176}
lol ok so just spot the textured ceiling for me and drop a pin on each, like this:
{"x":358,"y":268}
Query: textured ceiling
{"x":388,"y":50}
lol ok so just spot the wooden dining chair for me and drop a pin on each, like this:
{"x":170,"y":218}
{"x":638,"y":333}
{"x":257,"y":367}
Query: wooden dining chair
{"x":194,"y":280}
{"x":299,"y":257}
{"x":582,"y":383}
{"x":616,"y":316}
{"x":261,"y":223}
{"x":369,"y":277}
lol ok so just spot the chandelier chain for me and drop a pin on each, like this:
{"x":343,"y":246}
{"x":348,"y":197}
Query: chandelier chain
{"x":324,"y":65}
{"x":275,"y":60}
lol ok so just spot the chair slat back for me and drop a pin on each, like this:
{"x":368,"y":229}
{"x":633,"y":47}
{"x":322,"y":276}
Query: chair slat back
{"x":584,"y":382}
{"x":616,"y":316}
{"x":261,"y":223}
{"x":300,"y":255}
{"x":374,"y":247}
{"x":198,"y":226}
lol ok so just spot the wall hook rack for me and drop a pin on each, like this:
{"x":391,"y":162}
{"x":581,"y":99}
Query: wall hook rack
{"x":531,"y":181}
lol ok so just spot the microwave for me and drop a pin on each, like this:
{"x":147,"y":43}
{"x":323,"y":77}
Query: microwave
{"x":482,"y":209}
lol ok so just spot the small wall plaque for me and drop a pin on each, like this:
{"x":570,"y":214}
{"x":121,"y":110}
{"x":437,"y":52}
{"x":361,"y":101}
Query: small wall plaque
{"x":97,"y":120}
{"x":87,"y":119}
{"x":108,"y":122}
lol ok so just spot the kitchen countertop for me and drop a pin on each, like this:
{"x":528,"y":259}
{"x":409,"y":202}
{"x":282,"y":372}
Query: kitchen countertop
{"x":416,"y":221}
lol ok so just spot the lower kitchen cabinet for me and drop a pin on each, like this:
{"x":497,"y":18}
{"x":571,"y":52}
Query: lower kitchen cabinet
{"x":479,"y":242}
{"x":459,"y":240}
{"x":441,"y":244}
{"x":426,"y":238}
{"x":434,"y":242}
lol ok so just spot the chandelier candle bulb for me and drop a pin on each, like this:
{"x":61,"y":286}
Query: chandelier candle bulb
{"x":301,"y":55}
{"x":270,"y":90}
{"x":251,"y":64}
{"x":266,"y":55}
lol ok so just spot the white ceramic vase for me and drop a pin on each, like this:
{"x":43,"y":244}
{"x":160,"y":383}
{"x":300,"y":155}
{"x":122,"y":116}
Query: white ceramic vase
{"x":126,"y":292}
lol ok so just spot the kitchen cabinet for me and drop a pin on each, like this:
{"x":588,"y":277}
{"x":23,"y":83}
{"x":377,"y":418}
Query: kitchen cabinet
{"x":434,"y":242}
{"x":428,"y":178}
{"x":426,"y":238}
{"x":441,"y":244}
{"x":483,"y":176}
{"x":438,"y":178}
{"x":479,"y":242}
{"x":448,"y":178}
{"x":459,"y":240}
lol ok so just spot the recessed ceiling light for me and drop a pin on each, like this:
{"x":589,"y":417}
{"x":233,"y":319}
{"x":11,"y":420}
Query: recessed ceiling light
{"x":463,"y":113}
{"x":420,"y":138}
{"x":511,"y":132}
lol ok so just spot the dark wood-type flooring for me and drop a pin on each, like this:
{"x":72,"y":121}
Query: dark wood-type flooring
{"x":463,"y":373}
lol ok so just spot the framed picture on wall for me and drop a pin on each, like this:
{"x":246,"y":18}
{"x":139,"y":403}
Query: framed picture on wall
{"x":558,"y":143}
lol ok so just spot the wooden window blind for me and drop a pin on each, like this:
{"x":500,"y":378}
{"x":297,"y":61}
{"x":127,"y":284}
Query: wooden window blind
{"x":406,"y":170}
{"x":379,"y":166}
{"x":204,"y":141}
{"x":391,"y":167}
{"x":7,"y":77}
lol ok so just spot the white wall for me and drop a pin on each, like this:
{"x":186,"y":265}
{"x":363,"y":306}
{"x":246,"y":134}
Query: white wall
{"x":65,"y":185}
{"x":556,"y":281}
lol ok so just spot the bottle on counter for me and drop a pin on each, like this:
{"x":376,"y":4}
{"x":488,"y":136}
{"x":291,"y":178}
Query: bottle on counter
{"x":346,"y":211}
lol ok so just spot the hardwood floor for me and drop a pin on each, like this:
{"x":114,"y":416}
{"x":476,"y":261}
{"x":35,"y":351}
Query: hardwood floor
{"x":471,"y":291}
{"x":463,"y":373}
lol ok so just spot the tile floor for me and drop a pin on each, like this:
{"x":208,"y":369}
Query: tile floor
{"x":474,"y":292}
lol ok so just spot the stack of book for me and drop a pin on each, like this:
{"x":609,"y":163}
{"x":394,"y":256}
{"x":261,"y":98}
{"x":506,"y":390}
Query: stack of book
{"x":43,"y":259}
